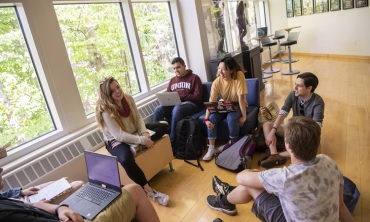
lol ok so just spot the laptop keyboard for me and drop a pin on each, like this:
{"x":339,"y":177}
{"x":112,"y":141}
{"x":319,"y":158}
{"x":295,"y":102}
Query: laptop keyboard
{"x":94,"y":195}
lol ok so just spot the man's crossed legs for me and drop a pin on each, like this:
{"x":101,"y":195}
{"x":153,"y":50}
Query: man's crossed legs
{"x":266,"y":206}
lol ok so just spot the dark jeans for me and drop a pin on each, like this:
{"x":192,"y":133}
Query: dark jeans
{"x":173,"y":114}
{"x":127,"y":160}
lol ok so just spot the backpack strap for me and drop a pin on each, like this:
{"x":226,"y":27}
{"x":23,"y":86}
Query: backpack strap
{"x":178,"y":132}
{"x":190,"y":133}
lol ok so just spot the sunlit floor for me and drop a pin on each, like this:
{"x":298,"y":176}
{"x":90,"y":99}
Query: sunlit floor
{"x":345,"y":138}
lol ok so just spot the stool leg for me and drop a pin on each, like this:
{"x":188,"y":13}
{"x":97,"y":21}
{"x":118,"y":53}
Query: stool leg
{"x":271,"y":69}
{"x":264,"y":75}
{"x":290,"y":71}
{"x":290,"y":60}
{"x":280,"y":59}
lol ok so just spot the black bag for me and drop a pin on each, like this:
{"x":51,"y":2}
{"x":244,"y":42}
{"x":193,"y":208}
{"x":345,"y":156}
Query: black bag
{"x":188,"y":141}
{"x":350,"y":194}
{"x":259,"y":139}
{"x":237,"y":154}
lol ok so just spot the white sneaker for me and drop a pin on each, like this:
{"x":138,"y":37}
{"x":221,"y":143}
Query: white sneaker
{"x":210,"y":153}
{"x":159,"y":197}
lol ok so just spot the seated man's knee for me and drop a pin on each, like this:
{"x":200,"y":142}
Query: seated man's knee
{"x":135,"y":190}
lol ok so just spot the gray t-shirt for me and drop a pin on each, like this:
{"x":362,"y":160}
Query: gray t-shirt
{"x":308,"y":191}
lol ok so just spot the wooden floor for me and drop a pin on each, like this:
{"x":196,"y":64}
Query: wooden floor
{"x":344,"y":86}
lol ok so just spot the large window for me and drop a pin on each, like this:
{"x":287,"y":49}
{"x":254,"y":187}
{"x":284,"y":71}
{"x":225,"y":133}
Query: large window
{"x":24,"y":114}
{"x":97,"y":45}
{"x":157,"y":40}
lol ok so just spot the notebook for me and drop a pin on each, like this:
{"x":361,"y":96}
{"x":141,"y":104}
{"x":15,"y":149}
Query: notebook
{"x":103,"y":187}
{"x":262,"y":31}
{"x":220,"y":107}
{"x":168,"y":98}
{"x":52,"y":191}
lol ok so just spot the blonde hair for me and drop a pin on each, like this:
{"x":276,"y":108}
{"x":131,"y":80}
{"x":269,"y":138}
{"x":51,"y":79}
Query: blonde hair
{"x":105,"y":103}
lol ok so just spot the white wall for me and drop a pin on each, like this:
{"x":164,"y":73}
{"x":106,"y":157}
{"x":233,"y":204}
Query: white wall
{"x":344,"y":32}
{"x":195,"y":37}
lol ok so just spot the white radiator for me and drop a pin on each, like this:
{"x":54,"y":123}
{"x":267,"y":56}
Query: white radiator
{"x":48,"y":163}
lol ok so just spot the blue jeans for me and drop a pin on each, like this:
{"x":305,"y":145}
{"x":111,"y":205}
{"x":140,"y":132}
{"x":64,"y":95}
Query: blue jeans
{"x":232,"y":119}
{"x":173,"y":114}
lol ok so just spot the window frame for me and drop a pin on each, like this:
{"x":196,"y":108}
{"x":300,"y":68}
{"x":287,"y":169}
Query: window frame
{"x":65,"y":105}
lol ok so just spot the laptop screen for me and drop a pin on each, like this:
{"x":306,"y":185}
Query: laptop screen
{"x":262,"y":31}
{"x":102,"y":169}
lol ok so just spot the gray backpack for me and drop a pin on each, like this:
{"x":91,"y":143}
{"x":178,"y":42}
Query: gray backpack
{"x":237,"y":154}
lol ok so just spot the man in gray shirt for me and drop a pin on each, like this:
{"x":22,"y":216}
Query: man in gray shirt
{"x":304,"y":102}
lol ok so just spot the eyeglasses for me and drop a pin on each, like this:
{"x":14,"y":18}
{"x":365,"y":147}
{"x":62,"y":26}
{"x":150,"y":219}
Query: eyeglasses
{"x":301,"y":111}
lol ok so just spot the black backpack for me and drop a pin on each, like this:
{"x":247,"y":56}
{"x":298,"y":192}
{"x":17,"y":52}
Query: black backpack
{"x":189,"y":141}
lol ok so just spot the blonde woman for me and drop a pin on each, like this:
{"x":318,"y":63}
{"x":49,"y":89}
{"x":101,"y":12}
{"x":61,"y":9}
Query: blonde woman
{"x":123,"y":127}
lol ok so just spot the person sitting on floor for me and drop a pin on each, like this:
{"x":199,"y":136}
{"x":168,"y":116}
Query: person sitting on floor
{"x":304,"y":102}
{"x":229,"y":86}
{"x":124,"y":129}
{"x":310,"y":189}
{"x":131,"y":204}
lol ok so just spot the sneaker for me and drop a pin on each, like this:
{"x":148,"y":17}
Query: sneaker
{"x":159,"y":197}
{"x":220,"y":187}
{"x":210,"y":153}
{"x":273,"y":160}
{"x":215,"y":203}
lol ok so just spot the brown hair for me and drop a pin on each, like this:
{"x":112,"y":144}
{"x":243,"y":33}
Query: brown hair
{"x":105,"y":103}
{"x":309,"y":79}
{"x":303,"y":135}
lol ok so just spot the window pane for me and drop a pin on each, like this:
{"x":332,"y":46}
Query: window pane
{"x":97,"y":46}
{"x":24,"y":114}
{"x":233,"y":16}
{"x":157,"y":39}
{"x":252,"y":21}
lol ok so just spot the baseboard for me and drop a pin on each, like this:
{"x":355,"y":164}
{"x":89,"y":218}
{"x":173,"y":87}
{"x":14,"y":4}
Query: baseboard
{"x":332,"y":55}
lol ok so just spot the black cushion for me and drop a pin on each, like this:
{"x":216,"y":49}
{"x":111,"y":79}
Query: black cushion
{"x":288,"y":43}
{"x":279,"y":37}
{"x":269,"y":44}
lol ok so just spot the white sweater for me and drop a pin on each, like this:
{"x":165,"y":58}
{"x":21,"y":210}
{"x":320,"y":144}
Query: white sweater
{"x":112,"y":130}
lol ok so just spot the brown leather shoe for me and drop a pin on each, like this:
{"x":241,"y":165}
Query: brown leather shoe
{"x":264,"y":156}
{"x":273,"y":160}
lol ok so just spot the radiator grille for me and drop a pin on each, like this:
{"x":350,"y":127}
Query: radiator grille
{"x":59,"y":156}
{"x":52,"y":161}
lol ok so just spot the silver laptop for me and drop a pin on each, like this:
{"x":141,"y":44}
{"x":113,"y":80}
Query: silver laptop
{"x":103,"y":187}
{"x":168,"y":98}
